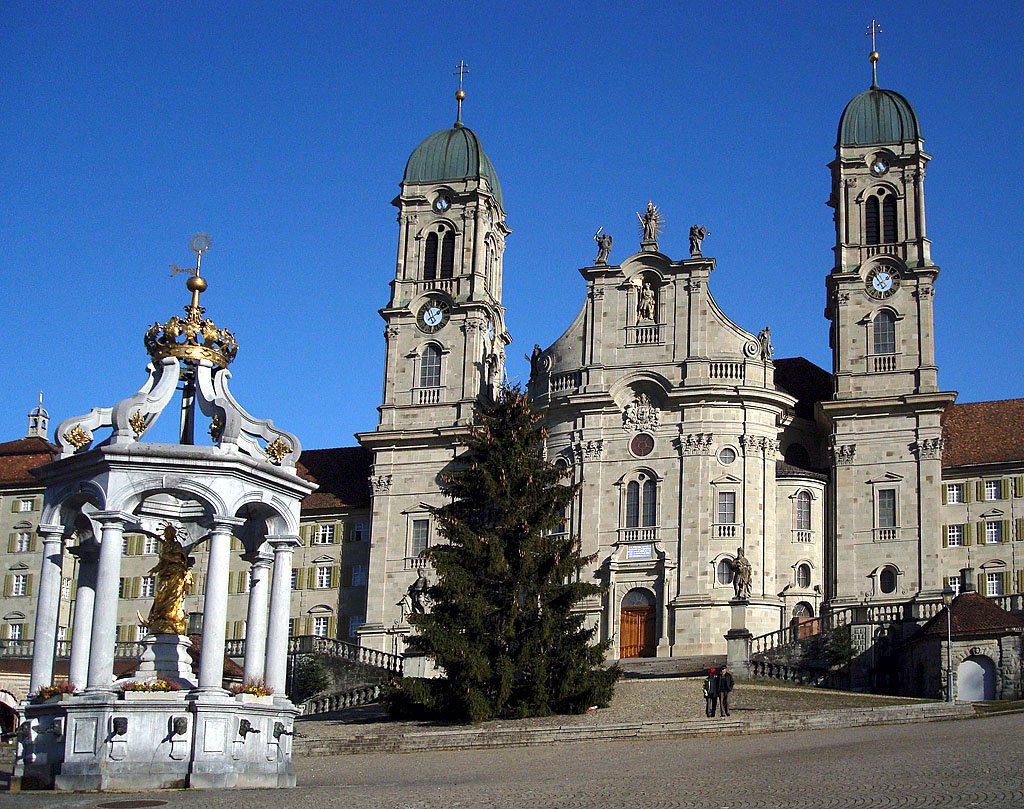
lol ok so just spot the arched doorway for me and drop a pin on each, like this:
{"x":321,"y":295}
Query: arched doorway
{"x":637,"y":624}
{"x":976,"y":679}
{"x":803,"y":621}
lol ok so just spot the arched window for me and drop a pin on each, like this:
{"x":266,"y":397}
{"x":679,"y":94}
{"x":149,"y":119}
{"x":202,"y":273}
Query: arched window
{"x":641,"y":502}
{"x":889,"y":219}
{"x":871,"y":234}
{"x":887,"y":580}
{"x":430,"y":258}
{"x":430,"y":367}
{"x":803,"y":576}
{"x":884,"y":333}
{"x":448,"y":254}
{"x":723,"y":572}
{"x":803,"y":511}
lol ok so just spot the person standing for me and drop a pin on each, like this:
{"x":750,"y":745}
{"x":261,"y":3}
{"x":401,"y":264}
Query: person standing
{"x":711,"y":693}
{"x":725,"y":686}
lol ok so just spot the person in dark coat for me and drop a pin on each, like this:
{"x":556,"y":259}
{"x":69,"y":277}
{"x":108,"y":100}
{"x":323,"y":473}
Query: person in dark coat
{"x":711,"y":693}
{"x":725,"y":685}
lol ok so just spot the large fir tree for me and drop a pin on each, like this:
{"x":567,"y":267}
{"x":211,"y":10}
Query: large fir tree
{"x":502,"y":628}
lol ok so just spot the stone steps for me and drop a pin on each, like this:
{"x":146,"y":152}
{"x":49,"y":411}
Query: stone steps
{"x":483,"y":737}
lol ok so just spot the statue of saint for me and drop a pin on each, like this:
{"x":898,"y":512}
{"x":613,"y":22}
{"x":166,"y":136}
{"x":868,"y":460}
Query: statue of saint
{"x":650,"y":222}
{"x":645,"y":306}
{"x":535,"y":362}
{"x":418,"y":594}
{"x":604,"y":246}
{"x":173,"y":580}
{"x":698,"y":233}
{"x":764,"y":339}
{"x":742,"y":575}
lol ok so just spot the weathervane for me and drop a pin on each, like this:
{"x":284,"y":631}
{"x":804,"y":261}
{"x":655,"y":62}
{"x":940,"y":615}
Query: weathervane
{"x":198,"y":244}
{"x":872,"y":31}
{"x":461,"y":69}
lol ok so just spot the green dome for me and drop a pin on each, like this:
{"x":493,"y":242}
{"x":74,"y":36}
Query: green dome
{"x":452,"y":154}
{"x":878,"y":116}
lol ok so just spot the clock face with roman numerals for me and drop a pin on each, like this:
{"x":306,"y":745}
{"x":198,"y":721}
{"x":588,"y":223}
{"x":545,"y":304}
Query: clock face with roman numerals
{"x":882,"y":282}
{"x":433,"y":315}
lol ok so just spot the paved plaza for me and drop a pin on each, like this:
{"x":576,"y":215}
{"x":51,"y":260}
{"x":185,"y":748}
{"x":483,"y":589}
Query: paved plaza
{"x":941,"y":764}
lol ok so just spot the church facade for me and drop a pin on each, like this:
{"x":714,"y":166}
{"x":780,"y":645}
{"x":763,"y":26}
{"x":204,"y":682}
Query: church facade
{"x":690,"y":442}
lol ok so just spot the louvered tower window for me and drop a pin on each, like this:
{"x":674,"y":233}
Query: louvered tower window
{"x":871,"y":234}
{"x":430,"y":258}
{"x":448,"y":255}
{"x":889,"y":219}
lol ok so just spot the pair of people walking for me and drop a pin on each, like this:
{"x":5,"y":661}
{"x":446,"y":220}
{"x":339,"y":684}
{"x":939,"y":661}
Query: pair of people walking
{"x":717,"y":687}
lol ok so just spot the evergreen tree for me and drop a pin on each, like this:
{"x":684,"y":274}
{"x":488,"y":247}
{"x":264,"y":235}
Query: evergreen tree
{"x":502,"y":628}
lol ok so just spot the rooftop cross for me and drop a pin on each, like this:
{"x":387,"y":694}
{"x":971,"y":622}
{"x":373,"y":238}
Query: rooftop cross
{"x":198,"y":244}
{"x":872,"y":31}
{"x":461,"y":69}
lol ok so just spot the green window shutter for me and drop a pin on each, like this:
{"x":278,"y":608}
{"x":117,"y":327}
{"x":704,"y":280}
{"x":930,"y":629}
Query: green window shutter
{"x":968,"y":533}
{"x":332,"y":627}
{"x":12,"y":542}
{"x":1004,"y":489}
{"x":335,"y":576}
{"x":15,"y":504}
{"x":311,"y":581}
{"x":300,"y":578}
{"x":30,"y":584}
{"x":967,"y":491}
{"x":1020,"y":529}
{"x":239,"y":630}
{"x":945,"y":536}
{"x":74,"y":588}
{"x":1020,"y":580}
{"x":308,"y":623}
{"x":306,"y":533}
{"x":32,"y":542}
{"x":1018,"y":486}
{"x":1006,"y":531}
{"x":339,"y":533}
{"x":944,"y":494}
{"x":981,"y":584}
{"x":8,"y":585}
{"x":980,"y":490}
{"x":29,"y":631}
{"x":982,"y":539}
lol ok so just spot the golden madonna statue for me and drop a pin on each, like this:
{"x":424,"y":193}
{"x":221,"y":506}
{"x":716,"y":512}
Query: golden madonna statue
{"x":173,"y":581}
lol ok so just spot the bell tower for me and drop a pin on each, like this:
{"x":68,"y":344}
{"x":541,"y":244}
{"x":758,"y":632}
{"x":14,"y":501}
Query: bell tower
{"x":445,"y":341}
{"x":886,"y":410}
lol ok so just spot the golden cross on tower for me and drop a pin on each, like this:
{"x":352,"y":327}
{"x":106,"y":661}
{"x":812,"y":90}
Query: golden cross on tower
{"x":461,"y":69}
{"x":873,"y":30}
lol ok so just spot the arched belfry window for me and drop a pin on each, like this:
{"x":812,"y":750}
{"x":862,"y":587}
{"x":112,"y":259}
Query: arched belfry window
{"x":871,"y":220}
{"x":641,"y":502}
{"x":430,"y":258}
{"x":883,"y":330}
{"x":889,"y":219}
{"x":802,"y":515}
{"x":448,"y":254}
{"x":430,"y":367}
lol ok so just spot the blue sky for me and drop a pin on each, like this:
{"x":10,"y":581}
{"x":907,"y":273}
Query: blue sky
{"x":283,"y":131}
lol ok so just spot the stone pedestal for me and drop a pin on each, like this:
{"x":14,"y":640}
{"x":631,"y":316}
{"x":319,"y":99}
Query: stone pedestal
{"x":737,"y":640}
{"x":165,"y":657}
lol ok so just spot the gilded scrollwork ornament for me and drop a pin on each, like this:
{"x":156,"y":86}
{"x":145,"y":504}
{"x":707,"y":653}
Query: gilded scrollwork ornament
{"x":138,"y":423}
{"x":277,"y":450}
{"x":78,"y":436}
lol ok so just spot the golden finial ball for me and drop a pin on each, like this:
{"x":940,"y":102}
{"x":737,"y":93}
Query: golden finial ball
{"x":460,"y":94}
{"x":196,"y":284}
{"x":873,"y":56}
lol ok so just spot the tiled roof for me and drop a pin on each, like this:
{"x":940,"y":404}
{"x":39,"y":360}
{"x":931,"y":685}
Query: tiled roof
{"x":971,"y":614}
{"x":984,"y":432}
{"x":17,"y":457}
{"x":803,"y":379}
{"x":343,"y":475}
{"x":787,"y":470}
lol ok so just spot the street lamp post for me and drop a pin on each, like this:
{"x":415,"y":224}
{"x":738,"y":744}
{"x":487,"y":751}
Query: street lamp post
{"x":948,"y":593}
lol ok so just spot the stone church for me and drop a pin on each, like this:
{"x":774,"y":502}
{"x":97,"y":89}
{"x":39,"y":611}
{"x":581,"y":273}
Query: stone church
{"x":689,"y":439}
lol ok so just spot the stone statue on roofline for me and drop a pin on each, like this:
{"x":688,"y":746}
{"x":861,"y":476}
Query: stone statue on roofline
{"x":604,"y":246}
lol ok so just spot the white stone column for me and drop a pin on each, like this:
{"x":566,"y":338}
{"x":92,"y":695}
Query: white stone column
{"x":256,"y":618}
{"x":215,"y":606}
{"x":47,"y":607}
{"x":81,"y":627}
{"x":104,"y":614}
{"x":276,"y":669}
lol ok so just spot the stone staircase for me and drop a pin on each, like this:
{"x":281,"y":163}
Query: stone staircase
{"x":358,"y":673}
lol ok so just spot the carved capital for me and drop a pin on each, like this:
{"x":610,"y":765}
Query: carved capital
{"x":924,"y":292}
{"x":843,"y":298}
{"x":390,"y":332}
{"x":381,"y":484}
{"x":588,"y":450}
{"x":598,"y":293}
{"x":929,"y":448}
{"x":696,"y":443}
{"x":695,"y":284}
{"x":843,"y":454}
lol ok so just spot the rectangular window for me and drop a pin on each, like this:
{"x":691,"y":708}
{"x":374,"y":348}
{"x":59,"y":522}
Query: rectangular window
{"x":62,"y":634}
{"x":295,"y":578}
{"x":954,"y":536}
{"x":140,"y":632}
{"x":320,"y":625}
{"x":354,"y":623}
{"x":359,"y":575}
{"x":22,"y":542}
{"x":994,"y":584}
{"x":323,"y":577}
{"x":26,"y":505}
{"x":148,"y":586}
{"x":291,"y":627}
{"x":324,"y":534}
{"x":886,"y":508}
{"x":954,"y":492}
{"x":992,"y":489}
{"x":19,"y":584}
{"x":149,"y":546}
{"x":954,"y":584}
{"x":65,"y":589}
{"x":122,"y":587}
{"x":124,"y":545}
{"x":14,"y":631}
{"x":360,"y":531}
{"x":993,"y":532}
{"x":726,"y":508}
{"x":420,"y":537}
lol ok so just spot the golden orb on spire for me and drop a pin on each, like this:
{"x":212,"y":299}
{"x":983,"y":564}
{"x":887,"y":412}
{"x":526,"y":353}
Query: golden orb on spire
{"x":460,"y":94}
{"x":873,"y":56}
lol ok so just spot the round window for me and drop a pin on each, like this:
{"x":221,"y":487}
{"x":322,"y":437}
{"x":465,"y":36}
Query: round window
{"x":642,"y":445}
{"x":442,"y":203}
{"x":727,"y":455}
{"x":887,"y":580}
